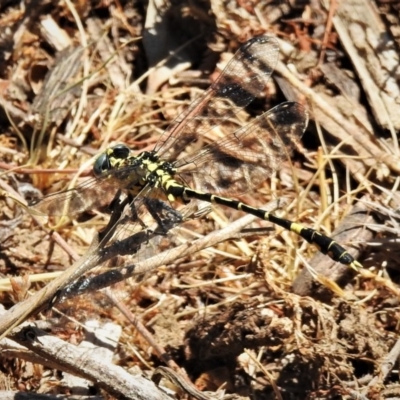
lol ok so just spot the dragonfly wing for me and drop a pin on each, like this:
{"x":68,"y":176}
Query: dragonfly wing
{"x":93,"y":193}
{"x":244,"y":78}
{"x":244,"y":159}
{"x":135,"y":229}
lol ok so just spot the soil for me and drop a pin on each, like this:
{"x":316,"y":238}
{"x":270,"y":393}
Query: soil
{"x":234,"y":308}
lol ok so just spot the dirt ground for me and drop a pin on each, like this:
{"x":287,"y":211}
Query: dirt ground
{"x":216,"y":305}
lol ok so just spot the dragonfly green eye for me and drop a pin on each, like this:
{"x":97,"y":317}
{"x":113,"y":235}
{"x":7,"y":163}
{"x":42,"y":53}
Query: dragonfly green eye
{"x":106,"y":160}
{"x":120,"y":151}
{"x":101,"y":165}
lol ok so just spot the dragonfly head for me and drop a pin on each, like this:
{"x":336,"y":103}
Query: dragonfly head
{"x":110,"y":159}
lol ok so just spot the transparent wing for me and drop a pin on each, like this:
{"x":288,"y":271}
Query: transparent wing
{"x":132,"y":225}
{"x":93,"y":193}
{"x":244,"y":78}
{"x":250,"y":155}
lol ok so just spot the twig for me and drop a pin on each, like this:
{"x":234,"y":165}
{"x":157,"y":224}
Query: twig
{"x":115,"y":380}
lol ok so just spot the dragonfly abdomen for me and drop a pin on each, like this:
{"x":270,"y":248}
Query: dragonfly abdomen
{"x":326,"y":244}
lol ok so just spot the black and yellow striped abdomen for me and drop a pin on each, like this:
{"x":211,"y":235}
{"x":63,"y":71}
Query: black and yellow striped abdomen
{"x":325,"y":244}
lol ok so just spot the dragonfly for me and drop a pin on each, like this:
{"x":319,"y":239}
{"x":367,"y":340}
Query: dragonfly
{"x":217,"y":172}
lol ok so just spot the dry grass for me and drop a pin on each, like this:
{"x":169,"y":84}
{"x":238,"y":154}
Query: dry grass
{"x":253,"y":313}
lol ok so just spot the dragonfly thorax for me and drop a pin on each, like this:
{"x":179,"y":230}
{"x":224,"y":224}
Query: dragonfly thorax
{"x":156,"y":172}
{"x":134,"y":172}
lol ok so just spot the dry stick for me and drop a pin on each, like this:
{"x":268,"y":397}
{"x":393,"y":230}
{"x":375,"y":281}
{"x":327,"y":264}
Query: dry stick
{"x":12,"y":395}
{"x":387,"y":365}
{"x":328,"y":30}
{"x":347,"y":132}
{"x":356,"y":395}
{"x":141,"y":267}
{"x":41,"y":300}
{"x":171,"y":256}
{"x":94,"y":256}
{"x":367,"y":44}
{"x":57,"y":238}
{"x":160,"y":351}
{"x":180,"y":382}
{"x":69,"y":358}
{"x":174,"y":370}
{"x":117,"y":70}
{"x":52,"y":347}
{"x":12,"y":350}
